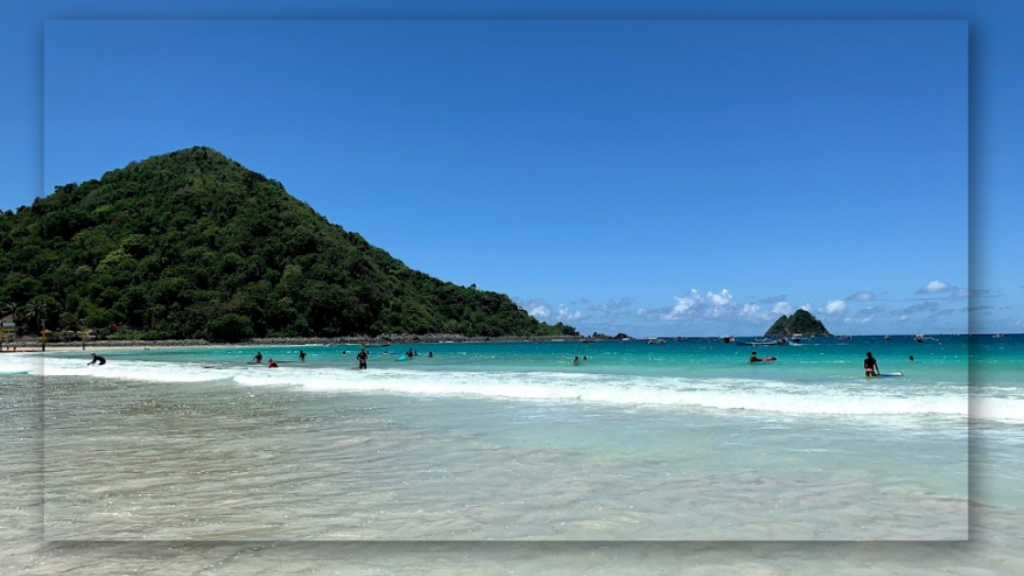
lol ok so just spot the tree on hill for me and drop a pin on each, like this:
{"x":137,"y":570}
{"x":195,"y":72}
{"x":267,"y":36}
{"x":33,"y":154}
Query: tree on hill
{"x":191,"y":244}
{"x":801,"y":322}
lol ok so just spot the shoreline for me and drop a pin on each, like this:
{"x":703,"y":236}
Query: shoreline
{"x":34,"y":345}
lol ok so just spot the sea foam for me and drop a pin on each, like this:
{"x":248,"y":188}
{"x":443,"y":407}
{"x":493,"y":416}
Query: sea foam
{"x":765,"y":395}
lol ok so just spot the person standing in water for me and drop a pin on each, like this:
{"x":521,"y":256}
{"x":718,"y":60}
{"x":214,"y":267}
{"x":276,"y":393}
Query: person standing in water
{"x":870,"y":366}
{"x":258,"y":358}
{"x":302,"y":355}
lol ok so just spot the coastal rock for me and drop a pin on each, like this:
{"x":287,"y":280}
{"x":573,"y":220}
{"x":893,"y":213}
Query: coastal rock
{"x":801,"y":322}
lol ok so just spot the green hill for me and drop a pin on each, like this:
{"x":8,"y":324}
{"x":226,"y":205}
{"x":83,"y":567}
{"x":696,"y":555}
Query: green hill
{"x":193,"y":245}
{"x":801,"y":322}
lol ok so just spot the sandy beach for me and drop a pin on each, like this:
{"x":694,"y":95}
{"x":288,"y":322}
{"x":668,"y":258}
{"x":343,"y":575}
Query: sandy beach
{"x":324,"y":453}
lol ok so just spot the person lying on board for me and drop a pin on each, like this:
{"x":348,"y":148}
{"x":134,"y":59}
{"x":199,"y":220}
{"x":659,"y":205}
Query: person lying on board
{"x":97,"y":359}
{"x":754,"y":358}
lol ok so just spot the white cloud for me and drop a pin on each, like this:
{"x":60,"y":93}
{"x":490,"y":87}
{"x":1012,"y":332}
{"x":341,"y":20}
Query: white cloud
{"x":970,"y":292}
{"x":834,"y":307}
{"x":807,"y":307}
{"x":567,"y":314}
{"x":772,"y":299}
{"x":723,"y":298}
{"x":863,"y":316}
{"x":683,"y":306}
{"x":929,"y":306}
{"x":720,"y":304}
{"x":641,"y":312}
{"x":611,"y":305}
{"x":711,"y":305}
{"x":862,"y":296}
{"x":935,"y":286}
{"x":857,"y":319}
{"x":753,"y":312}
{"x":540,"y":311}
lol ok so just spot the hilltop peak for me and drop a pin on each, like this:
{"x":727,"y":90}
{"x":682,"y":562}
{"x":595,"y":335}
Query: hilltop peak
{"x":193,"y":244}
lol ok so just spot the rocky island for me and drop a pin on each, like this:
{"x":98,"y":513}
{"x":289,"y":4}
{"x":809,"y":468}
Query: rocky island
{"x":801,"y":322}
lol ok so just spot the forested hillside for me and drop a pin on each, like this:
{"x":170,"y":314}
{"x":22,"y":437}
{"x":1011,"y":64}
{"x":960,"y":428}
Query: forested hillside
{"x":193,"y":245}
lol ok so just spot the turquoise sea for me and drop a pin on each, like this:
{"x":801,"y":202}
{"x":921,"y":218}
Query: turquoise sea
{"x":681,"y":441}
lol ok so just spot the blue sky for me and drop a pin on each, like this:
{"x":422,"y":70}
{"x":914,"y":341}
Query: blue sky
{"x":654,"y":177}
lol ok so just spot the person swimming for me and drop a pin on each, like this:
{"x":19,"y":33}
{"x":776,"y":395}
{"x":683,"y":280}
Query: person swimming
{"x":576,"y":361}
{"x":271,"y":363}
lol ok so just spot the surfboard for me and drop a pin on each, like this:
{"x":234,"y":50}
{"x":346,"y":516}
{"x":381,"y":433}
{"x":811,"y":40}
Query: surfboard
{"x":19,"y":372}
{"x":892,"y":375}
{"x":402,"y":357}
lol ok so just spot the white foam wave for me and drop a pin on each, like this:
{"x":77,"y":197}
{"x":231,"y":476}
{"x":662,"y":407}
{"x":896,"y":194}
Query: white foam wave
{"x":1001,"y":409}
{"x":851,"y":399}
{"x":15,"y":362}
{"x":137,"y":370}
{"x":722,"y":394}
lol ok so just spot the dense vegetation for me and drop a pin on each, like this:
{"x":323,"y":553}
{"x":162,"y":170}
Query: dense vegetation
{"x":193,"y":245}
{"x":801,"y":322}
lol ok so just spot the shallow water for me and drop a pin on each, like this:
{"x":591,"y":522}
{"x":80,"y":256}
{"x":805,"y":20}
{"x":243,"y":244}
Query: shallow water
{"x":231,"y":458}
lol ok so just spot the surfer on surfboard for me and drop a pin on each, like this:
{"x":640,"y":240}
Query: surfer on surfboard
{"x":754,"y":358}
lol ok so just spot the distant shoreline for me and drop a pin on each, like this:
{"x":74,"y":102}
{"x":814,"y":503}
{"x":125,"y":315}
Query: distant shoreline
{"x":35,"y":344}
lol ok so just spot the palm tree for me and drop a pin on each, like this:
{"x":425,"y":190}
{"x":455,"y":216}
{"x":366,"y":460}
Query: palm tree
{"x":5,"y":309}
{"x":37,"y":310}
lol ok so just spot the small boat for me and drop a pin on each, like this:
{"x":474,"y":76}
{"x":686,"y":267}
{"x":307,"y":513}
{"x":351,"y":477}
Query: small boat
{"x":655,"y":341}
{"x":777,"y":342}
{"x":999,"y":335}
{"x":887,"y":337}
{"x":728,"y":339}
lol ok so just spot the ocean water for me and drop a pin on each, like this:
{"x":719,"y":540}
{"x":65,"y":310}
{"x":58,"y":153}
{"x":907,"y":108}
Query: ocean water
{"x":684,"y":441}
